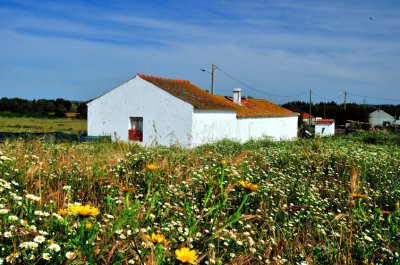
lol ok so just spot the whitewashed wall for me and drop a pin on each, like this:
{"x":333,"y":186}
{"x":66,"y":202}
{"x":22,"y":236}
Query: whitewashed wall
{"x":378,"y":117}
{"x":166,"y":119}
{"x":212,"y":125}
{"x":278,"y":128}
{"x":329,"y":129}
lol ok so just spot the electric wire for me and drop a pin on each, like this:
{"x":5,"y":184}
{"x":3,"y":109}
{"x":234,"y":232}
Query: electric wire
{"x":329,"y":99}
{"x":372,"y":97}
{"x":296,"y":95}
{"x":351,"y":99}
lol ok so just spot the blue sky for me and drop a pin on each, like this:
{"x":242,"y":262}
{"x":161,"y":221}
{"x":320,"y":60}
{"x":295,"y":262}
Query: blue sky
{"x":80,"y":49}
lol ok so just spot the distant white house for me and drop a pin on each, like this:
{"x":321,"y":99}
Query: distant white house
{"x":325,"y":127}
{"x":380,"y":118}
{"x":152,"y":110}
{"x":308,"y":119}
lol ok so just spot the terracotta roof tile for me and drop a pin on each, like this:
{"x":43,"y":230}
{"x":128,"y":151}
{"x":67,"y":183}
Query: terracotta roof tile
{"x":306,"y":116}
{"x":325,"y":121}
{"x":188,"y":92}
{"x":258,"y":108}
{"x":360,"y":122}
{"x":200,"y":99}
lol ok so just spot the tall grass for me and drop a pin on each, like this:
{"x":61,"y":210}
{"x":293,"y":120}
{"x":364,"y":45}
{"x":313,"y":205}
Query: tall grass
{"x":322,"y":201}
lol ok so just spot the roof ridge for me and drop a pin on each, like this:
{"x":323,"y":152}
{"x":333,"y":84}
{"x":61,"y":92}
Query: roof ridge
{"x":162,"y":78}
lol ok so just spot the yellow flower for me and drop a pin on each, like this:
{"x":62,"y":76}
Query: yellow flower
{"x":223,"y":162}
{"x":88,"y":225}
{"x":152,"y":167}
{"x":356,"y":195}
{"x":248,"y":186}
{"x":186,"y":255}
{"x":127,"y":189}
{"x":397,"y":204}
{"x":158,"y":239}
{"x":84,"y":210}
{"x":212,"y":182}
{"x":62,"y":211}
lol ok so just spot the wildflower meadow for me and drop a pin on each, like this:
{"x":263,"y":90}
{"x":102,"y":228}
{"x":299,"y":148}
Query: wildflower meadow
{"x":316,"y":201}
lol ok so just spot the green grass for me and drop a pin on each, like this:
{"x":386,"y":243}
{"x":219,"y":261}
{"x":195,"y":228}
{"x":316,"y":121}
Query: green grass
{"x":30,"y":124}
{"x":306,"y":208}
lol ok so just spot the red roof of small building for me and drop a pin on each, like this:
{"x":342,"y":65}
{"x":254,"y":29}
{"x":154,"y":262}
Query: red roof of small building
{"x":351,"y":121}
{"x":306,"y":116}
{"x":325,"y":121}
{"x":201,"y":99}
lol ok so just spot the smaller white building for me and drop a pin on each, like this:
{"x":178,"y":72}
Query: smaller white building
{"x":325,"y":127}
{"x":380,"y":118}
{"x":308,"y":119}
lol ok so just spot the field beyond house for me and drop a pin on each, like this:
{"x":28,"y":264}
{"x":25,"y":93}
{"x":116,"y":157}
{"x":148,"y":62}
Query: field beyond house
{"x":319,"y":201}
{"x":36,"y":125}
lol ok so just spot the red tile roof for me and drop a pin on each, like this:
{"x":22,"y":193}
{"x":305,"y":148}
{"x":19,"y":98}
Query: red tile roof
{"x":306,"y":116}
{"x":201,"y":99}
{"x":325,"y":121}
{"x":188,"y":92}
{"x":258,"y":108}
{"x":360,"y":122}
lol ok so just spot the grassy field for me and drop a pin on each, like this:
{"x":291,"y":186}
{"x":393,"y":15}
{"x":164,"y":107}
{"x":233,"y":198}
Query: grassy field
{"x":28,"y":124}
{"x":320,"y":201}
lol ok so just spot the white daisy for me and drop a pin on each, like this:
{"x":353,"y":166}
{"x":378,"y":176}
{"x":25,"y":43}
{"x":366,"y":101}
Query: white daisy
{"x":32,"y":245}
{"x":46,"y":256}
{"x":39,"y":239}
{"x":54,"y":247}
{"x":70,"y":255}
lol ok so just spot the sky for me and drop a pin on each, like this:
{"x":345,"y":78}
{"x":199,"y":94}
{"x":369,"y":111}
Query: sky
{"x":277,"y":50}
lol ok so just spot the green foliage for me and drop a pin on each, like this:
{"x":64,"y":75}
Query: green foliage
{"x":332,"y":110}
{"x":35,"y":108}
{"x":376,"y":138}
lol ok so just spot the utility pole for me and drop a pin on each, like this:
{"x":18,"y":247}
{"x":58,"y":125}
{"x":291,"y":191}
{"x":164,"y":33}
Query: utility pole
{"x":364,"y":102}
{"x":309,"y":118}
{"x":212,"y":79}
{"x":345,"y":96}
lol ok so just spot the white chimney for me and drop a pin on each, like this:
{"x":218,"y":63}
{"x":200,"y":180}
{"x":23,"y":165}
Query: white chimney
{"x":237,"y":95}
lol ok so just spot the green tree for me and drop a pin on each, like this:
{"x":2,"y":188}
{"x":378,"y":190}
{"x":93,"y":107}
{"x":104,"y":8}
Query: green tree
{"x":82,"y":110}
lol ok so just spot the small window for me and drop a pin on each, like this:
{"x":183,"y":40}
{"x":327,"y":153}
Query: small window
{"x":136,"y":129}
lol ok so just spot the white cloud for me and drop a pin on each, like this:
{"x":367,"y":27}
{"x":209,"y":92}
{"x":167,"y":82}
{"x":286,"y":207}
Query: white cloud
{"x":79,"y":58}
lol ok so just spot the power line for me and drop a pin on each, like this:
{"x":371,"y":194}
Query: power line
{"x":351,"y":99}
{"x":332,"y":99}
{"x":216,"y":67}
{"x":373,"y":97}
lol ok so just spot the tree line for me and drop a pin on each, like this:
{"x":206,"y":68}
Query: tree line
{"x":43,"y":107}
{"x":332,"y":110}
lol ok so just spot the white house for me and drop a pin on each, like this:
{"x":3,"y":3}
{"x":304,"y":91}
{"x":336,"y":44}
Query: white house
{"x":153,"y":110}
{"x":325,"y":127}
{"x":308,"y":119}
{"x":380,"y":118}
